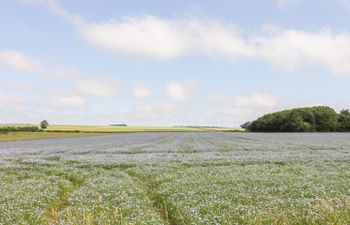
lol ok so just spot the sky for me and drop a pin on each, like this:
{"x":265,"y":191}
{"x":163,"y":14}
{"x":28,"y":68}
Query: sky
{"x":165,"y":63}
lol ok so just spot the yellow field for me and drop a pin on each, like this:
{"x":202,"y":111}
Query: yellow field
{"x":66,"y":131}
{"x":119,"y":129}
{"x":17,"y":136}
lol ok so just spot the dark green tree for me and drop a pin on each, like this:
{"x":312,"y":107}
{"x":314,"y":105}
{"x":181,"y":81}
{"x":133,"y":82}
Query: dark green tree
{"x":246,"y":125}
{"x":309,"y":119}
{"x":326,"y":119}
{"x":44,"y":124}
{"x":344,"y":121}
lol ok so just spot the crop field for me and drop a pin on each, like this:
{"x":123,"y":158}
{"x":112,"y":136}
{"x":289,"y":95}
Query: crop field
{"x":128,"y":129}
{"x":16,"y":136}
{"x":177,"y":178}
{"x":67,"y":131}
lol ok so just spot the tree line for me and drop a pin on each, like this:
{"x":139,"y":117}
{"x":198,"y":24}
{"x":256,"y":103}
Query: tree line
{"x":6,"y":129}
{"x":24,"y":128}
{"x":308,"y":119}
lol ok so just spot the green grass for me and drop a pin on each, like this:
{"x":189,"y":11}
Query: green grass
{"x":18,"y":136}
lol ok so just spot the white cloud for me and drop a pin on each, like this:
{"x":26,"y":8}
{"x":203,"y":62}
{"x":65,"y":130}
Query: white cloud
{"x":69,"y":101}
{"x":56,"y":9}
{"x":139,"y":90}
{"x":163,"y":39}
{"x":144,"y":37}
{"x":18,"y":86}
{"x":24,"y":63}
{"x":159,"y":113}
{"x":293,"y":49}
{"x":10,"y":99}
{"x":288,"y":49}
{"x":20,"y":62}
{"x":255,"y":100}
{"x":153,"y":37}
{"x":159,"y":38}
{"x":98,"y":88}
{"x":65,"y":73}
{"x":245,"y":106}
{"x":177,"y":91}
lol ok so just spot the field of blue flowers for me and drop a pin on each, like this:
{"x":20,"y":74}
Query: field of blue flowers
{"x":177,"y":178}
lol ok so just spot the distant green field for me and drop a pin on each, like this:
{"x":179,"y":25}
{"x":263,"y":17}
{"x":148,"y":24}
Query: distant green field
{"x":123,"y":129}
{"x":120,"y":129}
{"x":66,"y":131}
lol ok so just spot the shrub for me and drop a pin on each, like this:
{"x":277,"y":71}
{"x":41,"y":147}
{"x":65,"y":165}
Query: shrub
{"x":6,"y":129}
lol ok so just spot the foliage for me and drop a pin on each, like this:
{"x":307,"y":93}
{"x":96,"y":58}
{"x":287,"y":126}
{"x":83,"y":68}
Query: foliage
{"x":309,"y":119}
{"x":44,"y":124}
{"x":246,"y":125}
{"x":7,"y":129}
{"x":344,"y":121}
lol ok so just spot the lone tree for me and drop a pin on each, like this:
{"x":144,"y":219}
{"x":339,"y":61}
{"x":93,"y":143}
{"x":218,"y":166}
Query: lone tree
{"x":44,"y":124}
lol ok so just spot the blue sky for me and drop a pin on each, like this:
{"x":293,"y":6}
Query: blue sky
{"x":157,"y":62}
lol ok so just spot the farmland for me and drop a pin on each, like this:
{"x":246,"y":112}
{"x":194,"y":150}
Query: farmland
{"x":177,"y":178}
{"x":67,"y":131}
{"x":128,"y":129}
{"x":16,"y":136}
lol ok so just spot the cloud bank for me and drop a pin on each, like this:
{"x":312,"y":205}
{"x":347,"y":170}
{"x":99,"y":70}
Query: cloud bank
{"x":152,"y":37}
